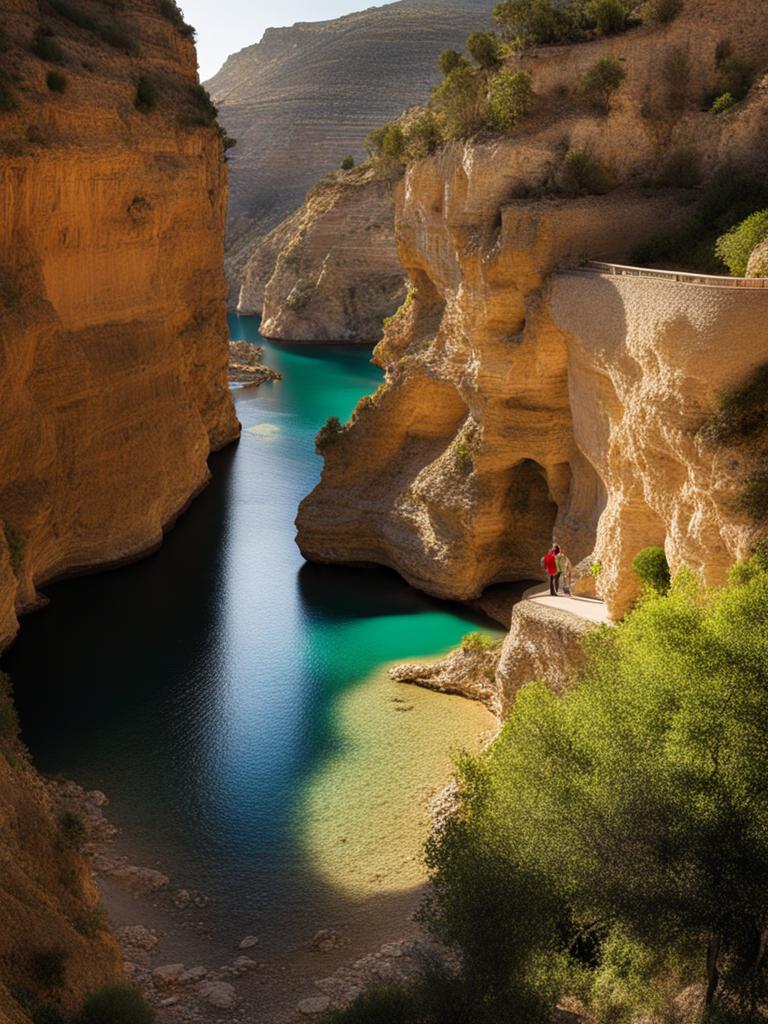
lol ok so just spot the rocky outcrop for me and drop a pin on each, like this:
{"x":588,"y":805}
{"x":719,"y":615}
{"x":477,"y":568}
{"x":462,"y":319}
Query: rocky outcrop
{"x":113,"y":339}
{"x":486,"y":438}
{"x":55,"y":946}
{"x":330,"y":272}
{"x":543,"y":643}
{"x":304,"y":97}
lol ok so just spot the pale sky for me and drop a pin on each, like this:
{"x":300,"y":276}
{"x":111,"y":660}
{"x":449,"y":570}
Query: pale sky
{"x":225,"y":26}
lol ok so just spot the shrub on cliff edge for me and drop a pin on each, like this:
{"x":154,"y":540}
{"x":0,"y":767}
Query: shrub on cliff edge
{"x":609,"y":16}
{"x":662,"y":11}
{"x":328,"y":434}
{"x":117,"y":1004}
{"x":599,"y":84}
{"x":485,"y":48}
{"x":583,"y":174}
{"x":510,"y":98}
{"x":736,"y":246}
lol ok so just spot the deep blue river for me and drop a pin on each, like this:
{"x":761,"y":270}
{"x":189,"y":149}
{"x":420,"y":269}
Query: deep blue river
{"x":233,"y":701}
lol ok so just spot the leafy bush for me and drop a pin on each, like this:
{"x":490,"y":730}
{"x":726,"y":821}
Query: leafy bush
{"x":736,"y":246}
{"x":90,"y":922}
{"x":651,"y":566}
{"x":753,"y":500}
{"x":147,"y":94}
{"x":598,"y":85}
{"x":46,"y":48}
{"x":663,"y":11}
{"x":108,"y":31}
{"x":47,"y":967}
{"x":619,"y":831}
{"x":510,"y":97}
{"x":596,"y":569}
{"x":9,"y":722}
{"x":485,"y":48}
{"x":422,"y":136}
{"x":736,"y":76}
{"x":723,"y":103}
{"x":384,"y":1004}
{"x":460,"y":101}
{"x":386,"y":146}
{"x":479,"y":642}
{"x":583,"y":174}
{"x":532,"y":22}
{"x":463,"y":452}
{"x":56,"y":81}
{"x":117,"y":1004}
{"x":171,"y":12}
{"x":682,"y":169}
{"x":201,"y":110}
{"x":347,"y":163}
{"x":72,"y":830}
{"x":328,"y":434}
{"x":610,"y":16}
{"x":450,"y":60}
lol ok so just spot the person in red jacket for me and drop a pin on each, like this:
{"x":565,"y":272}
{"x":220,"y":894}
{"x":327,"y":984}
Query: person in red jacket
{"x":550,"y":564}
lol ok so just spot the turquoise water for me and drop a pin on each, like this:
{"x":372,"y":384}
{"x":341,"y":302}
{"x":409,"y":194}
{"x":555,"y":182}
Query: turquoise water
{"x":215,"y":690}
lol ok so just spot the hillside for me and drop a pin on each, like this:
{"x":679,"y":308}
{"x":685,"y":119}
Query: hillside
{"x":301,"y":99}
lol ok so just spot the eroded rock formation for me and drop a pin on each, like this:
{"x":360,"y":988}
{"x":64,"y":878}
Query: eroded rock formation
{"x":330,"y":272}
{"x":113,"y":340}
{"x":519,"y":405}
{"x":304,"y":97}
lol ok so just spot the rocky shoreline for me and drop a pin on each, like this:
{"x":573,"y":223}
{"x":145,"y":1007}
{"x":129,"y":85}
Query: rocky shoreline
{"x":245,"y":366}
{"x":156,"y":924}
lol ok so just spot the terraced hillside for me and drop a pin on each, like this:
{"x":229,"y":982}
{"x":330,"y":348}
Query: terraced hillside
{"x":304,"y":97}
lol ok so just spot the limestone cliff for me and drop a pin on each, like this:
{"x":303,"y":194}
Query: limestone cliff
{"x":304,"y":97}
{"x":518,"y":403}
{"x":330,"y":272}
{"x":55,"y":947}
{"x":113,"y":339}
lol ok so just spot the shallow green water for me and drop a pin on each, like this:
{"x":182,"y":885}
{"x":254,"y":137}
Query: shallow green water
{"x":233,"y":701}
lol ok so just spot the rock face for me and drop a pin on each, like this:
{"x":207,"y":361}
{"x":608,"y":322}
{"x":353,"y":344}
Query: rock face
{"x":113,"y":341}
{"x":330,"y":272}
{"x":48,"y":900}
{"x":304,"y":97}
{"x":518,"y":405}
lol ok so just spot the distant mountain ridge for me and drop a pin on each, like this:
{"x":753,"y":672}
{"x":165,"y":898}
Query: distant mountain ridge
{"x":303,"y":97}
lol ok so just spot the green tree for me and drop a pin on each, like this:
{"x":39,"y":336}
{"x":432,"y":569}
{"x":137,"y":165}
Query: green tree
{"x":450,"y":60}
{"x":629,"y":815}
{"x":485,"y":48}
{"x":609,"y":16}
{"x":736,"y":246}
{"x":598,"y":85}
{"x":348,"y":163}
{"x":117,"y":1004}
{"x":736,"y":76}
{"x":510,"y":97}
{"x":460,"y":102}
{"x":531,"y":22}
{"x":422,"y":136}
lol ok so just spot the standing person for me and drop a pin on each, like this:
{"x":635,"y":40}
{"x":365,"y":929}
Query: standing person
{"x":550,"y":564}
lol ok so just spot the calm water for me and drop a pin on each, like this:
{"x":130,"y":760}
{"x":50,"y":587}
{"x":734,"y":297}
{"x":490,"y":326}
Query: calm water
{"x":233,"y":701}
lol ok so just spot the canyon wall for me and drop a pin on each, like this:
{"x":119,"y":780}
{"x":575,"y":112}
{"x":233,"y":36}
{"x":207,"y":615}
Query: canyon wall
{"x":494,"y":430}
{"x":113,"y":386}
{"x":113,"y":338}
{"x":330,"y":272}
{"x":304,"y":97}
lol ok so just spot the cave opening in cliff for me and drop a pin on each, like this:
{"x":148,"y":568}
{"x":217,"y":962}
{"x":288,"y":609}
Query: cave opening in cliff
{"x":527,"y":520}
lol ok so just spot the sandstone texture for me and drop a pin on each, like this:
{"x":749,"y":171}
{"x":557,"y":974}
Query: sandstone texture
{"x":330,"y":272}
{"x":48,"y":900}
{"x":113,"y":340}
{"x":304,"y":97}
{"x":520,"y":404}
